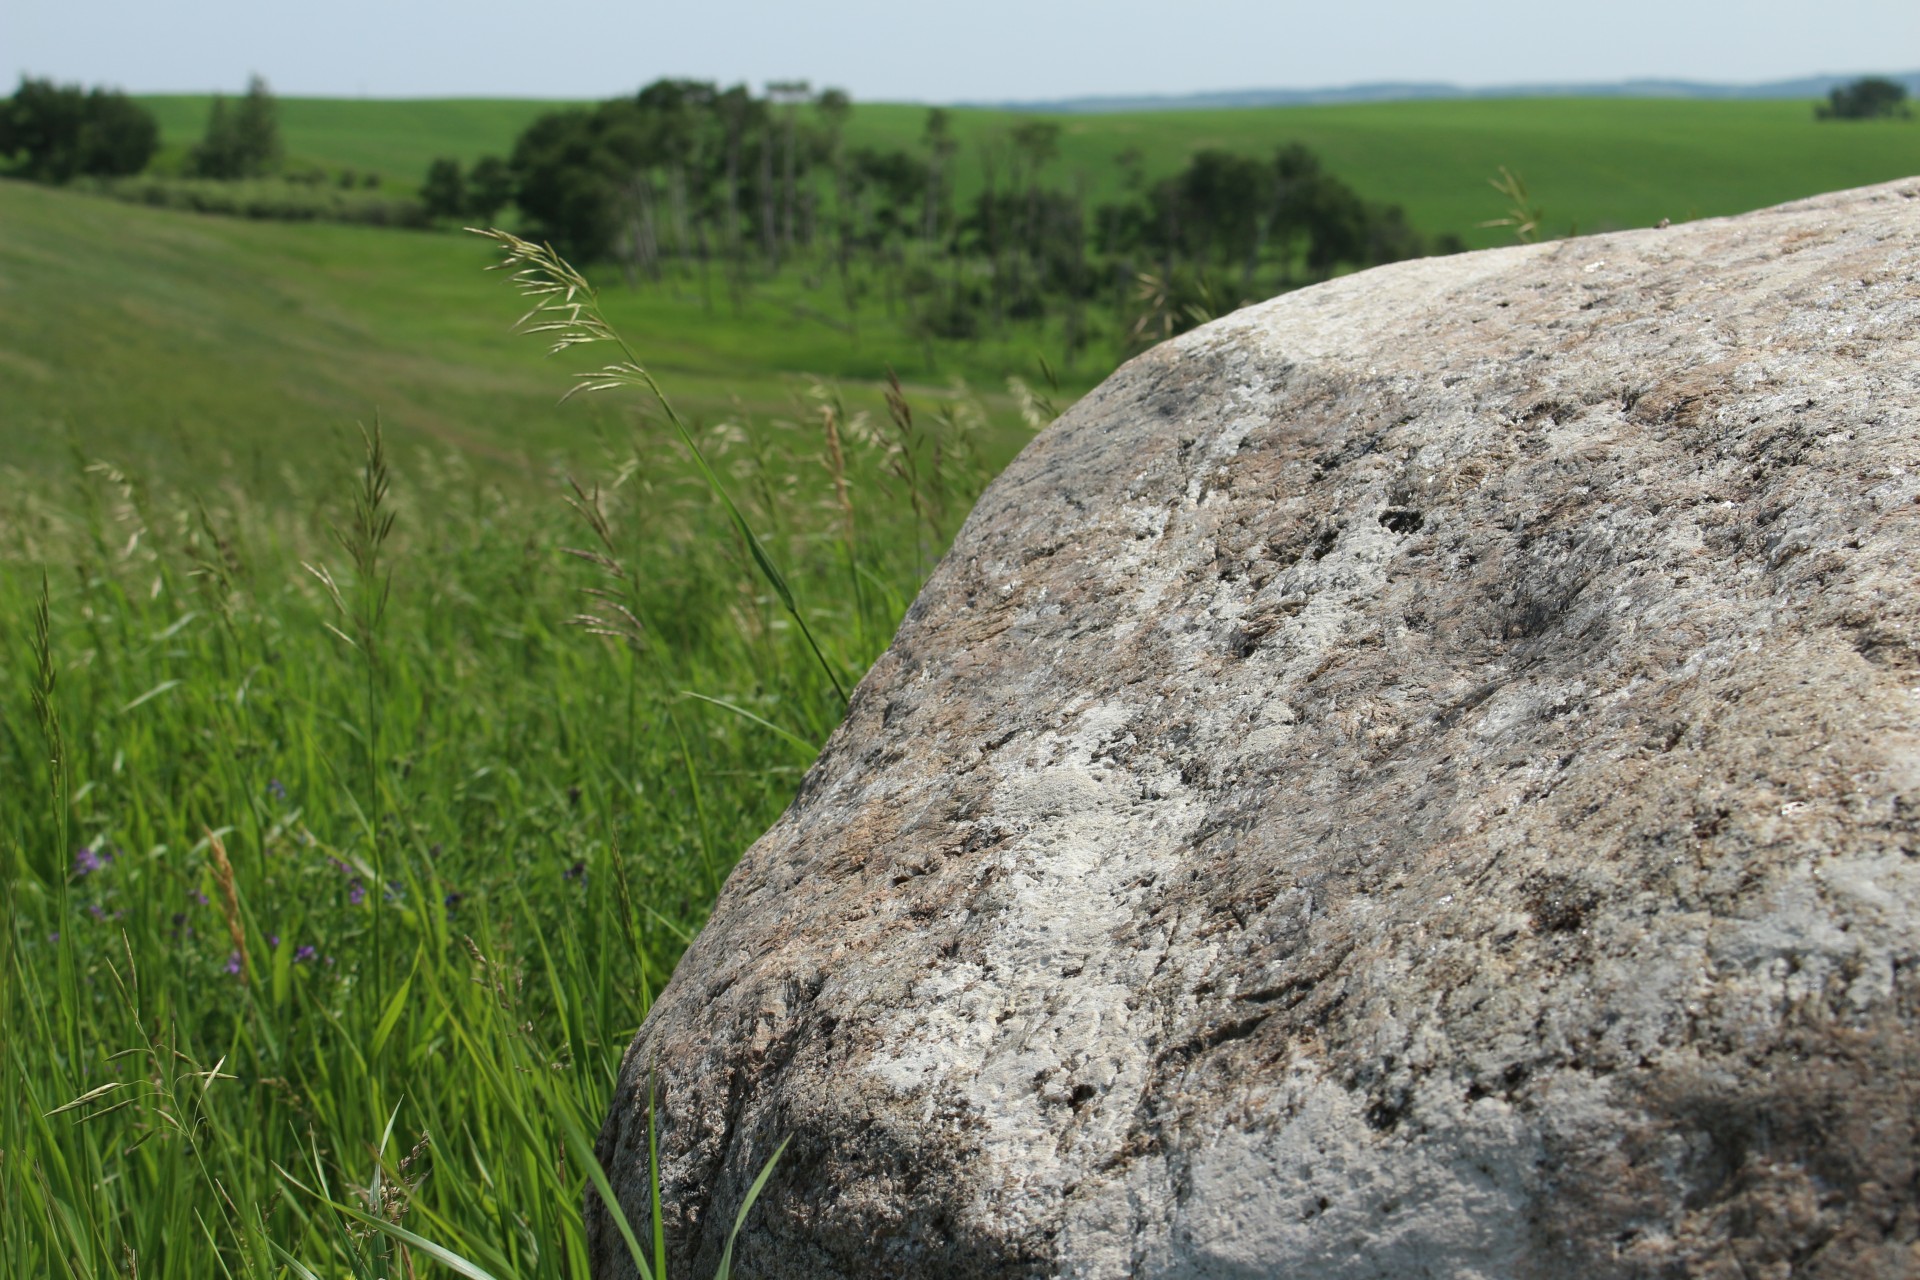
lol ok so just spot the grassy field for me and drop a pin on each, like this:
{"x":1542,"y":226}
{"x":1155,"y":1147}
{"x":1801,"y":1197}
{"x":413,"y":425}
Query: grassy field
{"x":1600,"y":163}
{"x":348,"y":831}
{"x":196,"y":345}
{"x":394,"y":138}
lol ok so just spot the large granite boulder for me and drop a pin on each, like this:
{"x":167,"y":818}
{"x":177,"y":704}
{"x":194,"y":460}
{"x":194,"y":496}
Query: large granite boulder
{"x":1420,"y":778}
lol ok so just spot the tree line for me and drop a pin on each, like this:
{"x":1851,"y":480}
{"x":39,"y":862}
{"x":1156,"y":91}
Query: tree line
{"x":1868,"y":98}
{"x":686,"y":181}
{"x":55,"y":132}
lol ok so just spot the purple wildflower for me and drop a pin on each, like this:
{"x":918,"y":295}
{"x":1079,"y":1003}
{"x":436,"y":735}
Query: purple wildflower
{"x":86,"y":862}
{"x":97,"y":911}
{"x":233,"y":962}
{"x":273,"y":939}
{"x":200,"y":897}
{"x":451,"y":901}
{"x":276,"y":789}
{"x":578,"y":871}
{"x":356,"y":893}
{"x":304,"y":953}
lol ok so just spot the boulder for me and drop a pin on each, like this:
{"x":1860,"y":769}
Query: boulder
{"x":1418,"y":778}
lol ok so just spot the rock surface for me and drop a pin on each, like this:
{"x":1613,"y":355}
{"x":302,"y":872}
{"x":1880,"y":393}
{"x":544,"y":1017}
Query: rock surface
{"x":1420,"y":778}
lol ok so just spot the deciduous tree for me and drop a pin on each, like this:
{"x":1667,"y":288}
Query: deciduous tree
{"x":57,"y":132}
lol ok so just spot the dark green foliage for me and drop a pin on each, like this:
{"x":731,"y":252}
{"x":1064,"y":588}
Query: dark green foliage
{"x":1868,"y":98}
{"x":685,"y":178}
{"x":242,"y":141}
{"x":564,"y":181}
{"x":1228,"y":216}
{"x":489,"y":188}
{"x":56,"y":132}
{"x":444,"y":193}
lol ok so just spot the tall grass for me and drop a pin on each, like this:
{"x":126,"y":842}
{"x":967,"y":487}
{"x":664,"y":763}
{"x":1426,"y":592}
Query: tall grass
{"x":347,"y":836}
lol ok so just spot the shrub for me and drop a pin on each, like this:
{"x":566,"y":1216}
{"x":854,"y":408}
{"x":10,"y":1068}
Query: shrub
{"x":1868,"y":98}
{"x":489,"y":188}
{"x":60,"y":132}
{"x":293,"y":199}
{"x":445,"y":190}
{"x":243,"y":142}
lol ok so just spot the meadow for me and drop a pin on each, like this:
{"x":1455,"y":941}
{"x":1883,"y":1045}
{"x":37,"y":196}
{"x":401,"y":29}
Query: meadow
{"x":375,"y":730}
{"x":361,"y":791}
{"x":194,"y":346}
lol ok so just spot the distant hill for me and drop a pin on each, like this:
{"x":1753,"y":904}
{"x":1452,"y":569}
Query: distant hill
{"x":1807,"y":87}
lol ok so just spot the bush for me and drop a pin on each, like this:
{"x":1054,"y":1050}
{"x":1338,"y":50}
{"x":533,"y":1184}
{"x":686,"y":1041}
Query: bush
{"x":60,"y":132}
{"x":240,"y":143}
{"x":1869,"y":98}
{"x":445,"y":190}
{"x":489,"y":188}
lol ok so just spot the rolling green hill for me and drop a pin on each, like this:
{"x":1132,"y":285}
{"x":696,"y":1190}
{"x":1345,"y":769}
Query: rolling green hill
{"x":1600,"y":163}
{"x":173,"y":341}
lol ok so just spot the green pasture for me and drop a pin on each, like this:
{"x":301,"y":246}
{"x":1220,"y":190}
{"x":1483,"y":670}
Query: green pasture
{"x":396,"y":138}
{"x":203,"y":345}
{"x":1595,"y":163}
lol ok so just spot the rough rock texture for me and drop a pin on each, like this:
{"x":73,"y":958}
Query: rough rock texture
{"x":1418,"y":778}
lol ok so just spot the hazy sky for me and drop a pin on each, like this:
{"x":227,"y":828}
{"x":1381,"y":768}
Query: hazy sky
{"x":967,"y":51}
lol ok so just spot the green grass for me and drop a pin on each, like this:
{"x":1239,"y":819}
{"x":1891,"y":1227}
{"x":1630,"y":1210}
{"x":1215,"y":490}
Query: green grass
{"x":395,"y":138}
{"x":1603,"y":163}
{"x":194,"y":345}
{"x":384,"y":860}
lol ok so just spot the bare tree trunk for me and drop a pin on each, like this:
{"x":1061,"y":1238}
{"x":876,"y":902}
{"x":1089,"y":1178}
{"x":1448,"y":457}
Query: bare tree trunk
{"x":845,"y":219}
{"x":930,"y":216}
{"x":648,"y":231}
{"x":786,"y":187}
{"x":735,"y":253}
{"x":677,"y":198}
{"x":991,"y":207}
{"x":769,"y":233}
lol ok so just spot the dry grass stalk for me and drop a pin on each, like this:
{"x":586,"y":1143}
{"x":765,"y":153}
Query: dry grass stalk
{"x":229,"y":897}
{"x":837,"y":464}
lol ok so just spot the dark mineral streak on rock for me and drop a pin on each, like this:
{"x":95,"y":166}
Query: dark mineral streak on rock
{"x":1418,"y":778}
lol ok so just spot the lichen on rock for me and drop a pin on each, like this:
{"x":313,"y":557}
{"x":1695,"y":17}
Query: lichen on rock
{"x":1420,"y":777}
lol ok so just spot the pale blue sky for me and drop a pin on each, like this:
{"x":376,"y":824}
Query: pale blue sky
{"x":973,"y":50}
